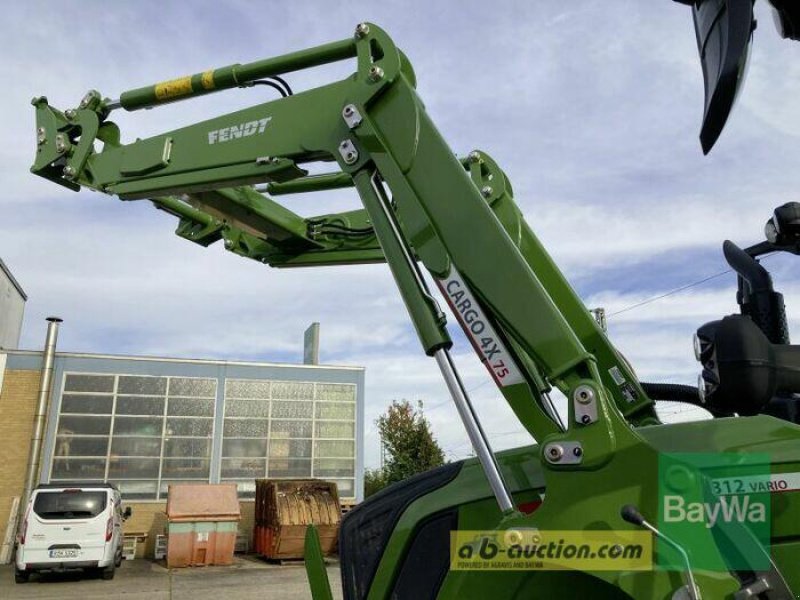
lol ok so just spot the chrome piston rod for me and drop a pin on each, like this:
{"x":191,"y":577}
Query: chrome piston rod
{"x":474,"y":430}
{"x":477,"y":436}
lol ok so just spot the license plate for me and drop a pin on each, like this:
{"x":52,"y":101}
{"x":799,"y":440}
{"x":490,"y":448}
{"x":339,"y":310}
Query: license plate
{"x":64,"y":553}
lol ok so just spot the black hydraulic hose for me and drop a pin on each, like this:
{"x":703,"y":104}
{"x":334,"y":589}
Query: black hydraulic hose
{"x":673,"y":392}
{"x":271,"y":84}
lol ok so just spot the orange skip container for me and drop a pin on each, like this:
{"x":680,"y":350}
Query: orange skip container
{"x":202,"y":522}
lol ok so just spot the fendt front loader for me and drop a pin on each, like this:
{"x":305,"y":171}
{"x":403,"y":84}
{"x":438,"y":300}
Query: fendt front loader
{"x":610,"y":503}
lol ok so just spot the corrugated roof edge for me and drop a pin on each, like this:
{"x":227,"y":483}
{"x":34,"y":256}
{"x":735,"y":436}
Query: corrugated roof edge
{"x":203,"y":361}
{"x":13,"y":280}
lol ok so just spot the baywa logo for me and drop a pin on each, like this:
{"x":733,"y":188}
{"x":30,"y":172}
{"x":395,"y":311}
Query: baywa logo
{"x":728,"y":508}
{"x":706,"y":500}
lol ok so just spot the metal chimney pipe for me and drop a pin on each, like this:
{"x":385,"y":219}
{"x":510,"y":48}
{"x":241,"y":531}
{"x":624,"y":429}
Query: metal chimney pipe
{"x":45,"y":385}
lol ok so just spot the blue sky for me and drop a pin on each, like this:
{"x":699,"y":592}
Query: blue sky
{"x":593,"y":110}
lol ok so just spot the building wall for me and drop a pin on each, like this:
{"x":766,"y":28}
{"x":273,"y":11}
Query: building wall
{"x":18,"y":397}
{"x":12,"y":307}
{"x":20,"y":375}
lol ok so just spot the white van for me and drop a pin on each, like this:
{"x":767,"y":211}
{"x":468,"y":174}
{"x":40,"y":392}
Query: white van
{"x":71,"y":526}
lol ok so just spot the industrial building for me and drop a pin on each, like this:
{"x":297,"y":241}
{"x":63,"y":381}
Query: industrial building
{"x":12,"y":308}
{"x":144,"y":423}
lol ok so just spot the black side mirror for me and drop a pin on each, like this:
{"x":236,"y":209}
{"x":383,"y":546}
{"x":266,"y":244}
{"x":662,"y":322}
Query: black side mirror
{"x":126,"y":514}
{"x":724,"y":30}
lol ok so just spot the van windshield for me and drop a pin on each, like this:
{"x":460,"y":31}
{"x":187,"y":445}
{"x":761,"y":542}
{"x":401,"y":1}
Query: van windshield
{"x":69,"y":504}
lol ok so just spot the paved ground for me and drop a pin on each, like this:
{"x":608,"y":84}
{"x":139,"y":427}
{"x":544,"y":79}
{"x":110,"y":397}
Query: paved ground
{"x":249,"y":577}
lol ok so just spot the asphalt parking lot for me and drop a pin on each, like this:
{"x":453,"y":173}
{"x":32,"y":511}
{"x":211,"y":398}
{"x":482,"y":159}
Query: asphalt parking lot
{"x":248,"y":577}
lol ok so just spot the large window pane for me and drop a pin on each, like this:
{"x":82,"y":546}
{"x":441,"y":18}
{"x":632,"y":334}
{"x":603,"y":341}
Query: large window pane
{"x":138,"y":405}
{"x":246,"y":388}
{"x":334,"y":449}
{"x":292,"y":410}
{"x":345,"y":487}
{"x":254,"y":409}
{"x":245,"y":428}
{"x":336,"y":410}
{"x":137,"y":490}
{"x":336,"y":392}
{"x":192,"y":387}
{"x":84,"y":425}
{"x":190,"y":427}
{"x":185,"y":468}
{"x":290,"y":448}
{"x":246,"y":447}
{"x":291,"y":429}
{"x":334,"y":467}
{"x":89,"y":383}
{"x":69,"y":445}
{"x":187,"y":447}
{"x":246,"y":488}
{"x":78,"y":468}
{"x":243,"y":467}
{"x":142,"y":426}
{"x":133,"y":468}
{"x":89,"y":405}
{"x":136,"y":446}
{"x":151,"y":386}
{"x":289,"y":467}
{"x":286,"y":390}
{"x":190,"y":407}
{"x":335,"y":429}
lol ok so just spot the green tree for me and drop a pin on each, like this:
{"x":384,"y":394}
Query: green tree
{"x":408,"y":442}
{"x":374,"y":481}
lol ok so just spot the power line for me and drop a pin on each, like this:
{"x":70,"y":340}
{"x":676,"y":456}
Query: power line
{"x":448,"y":401}
{"x":671,"y":292}
{"x":680,"y":289}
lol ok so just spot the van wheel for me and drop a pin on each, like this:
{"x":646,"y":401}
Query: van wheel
{"x":118,"y":559}
{"x":21,"y":576}
{"x":108,"y":572}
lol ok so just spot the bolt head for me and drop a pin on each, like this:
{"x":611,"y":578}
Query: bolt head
{"x":348,"y":110}
{"x":228,"y":244}
{"x":486,"y":191}
{"x":577,"y":451}
{"x":69,"y":171}
{"x":555,"y":452}
{"x":585,"y":419}
{"x":362,"y":30}
{"x":375,"y":73}
{"x":70,"y":113}
{"x":584,"y":394}
{"x":474,"y":156}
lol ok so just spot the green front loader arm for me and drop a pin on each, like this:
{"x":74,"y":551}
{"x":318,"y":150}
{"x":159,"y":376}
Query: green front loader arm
{"x":422,"y":207}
